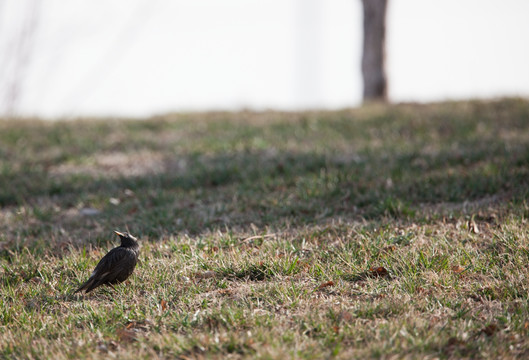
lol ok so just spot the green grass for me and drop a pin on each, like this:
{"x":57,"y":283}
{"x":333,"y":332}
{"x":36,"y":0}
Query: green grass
{"x":379,"y":232}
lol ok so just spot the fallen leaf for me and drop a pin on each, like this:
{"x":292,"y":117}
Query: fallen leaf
{"x":458,"y":269}
{"x":225,"y":291}
{"x":163,"y":305}
{"x":379,"y":271}
{"x":389,"y":248}
{"x":454,"y":343}
{"x":137,"y":326}
{"x":127,"y":335}
{"x":420,"y":290}
{"x":490,"y":329}
{"x":303,"y":264}
{"x":326,"y":284}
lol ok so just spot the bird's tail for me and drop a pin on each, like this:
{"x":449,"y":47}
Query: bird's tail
{"x":86,"y":285}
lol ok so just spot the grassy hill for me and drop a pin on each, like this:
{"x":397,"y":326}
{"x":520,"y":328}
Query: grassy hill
{"x":364,"y":233}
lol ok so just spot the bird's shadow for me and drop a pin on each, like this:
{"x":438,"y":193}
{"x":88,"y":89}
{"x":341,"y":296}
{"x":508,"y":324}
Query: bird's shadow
{"x":102,"y":293}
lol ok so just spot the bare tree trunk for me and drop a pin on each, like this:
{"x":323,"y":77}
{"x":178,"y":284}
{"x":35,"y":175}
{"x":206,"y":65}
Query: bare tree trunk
{"x":373,"y":57}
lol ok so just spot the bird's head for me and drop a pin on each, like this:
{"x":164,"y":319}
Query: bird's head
{"x":127,"y":240}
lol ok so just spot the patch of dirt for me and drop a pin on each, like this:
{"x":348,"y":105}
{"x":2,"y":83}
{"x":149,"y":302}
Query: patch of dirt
{"x":115,"y":164}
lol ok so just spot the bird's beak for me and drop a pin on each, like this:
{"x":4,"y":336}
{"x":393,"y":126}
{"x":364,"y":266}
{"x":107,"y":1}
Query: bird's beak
{"x":118,"y":233}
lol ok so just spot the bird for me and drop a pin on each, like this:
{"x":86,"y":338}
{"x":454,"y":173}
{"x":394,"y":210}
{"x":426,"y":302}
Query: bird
{"x":116,"y":266}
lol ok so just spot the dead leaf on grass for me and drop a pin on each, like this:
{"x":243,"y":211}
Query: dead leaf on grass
{"x":133,"y":329}
{"x":389,"y":248}
{"x":127,"y":335}
{"x":163,"y":305}
{"x":144,"y":325}
{"x":420,"y":290}
{"x":490,"y":329}
{"x":454,"y":343}
{"x":378,"y":271}
{"x":325,"y":284}
{"x":458,"y":269}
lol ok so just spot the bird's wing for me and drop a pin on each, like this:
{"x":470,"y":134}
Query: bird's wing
{"x":109,"y":268}
{"x":111,"y":264}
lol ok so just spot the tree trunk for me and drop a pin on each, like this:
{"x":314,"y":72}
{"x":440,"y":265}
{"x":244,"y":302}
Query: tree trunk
{"x":373,"y":57}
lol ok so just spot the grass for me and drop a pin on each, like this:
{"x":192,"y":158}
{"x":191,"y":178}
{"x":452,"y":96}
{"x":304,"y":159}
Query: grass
{"x":380,"y":232}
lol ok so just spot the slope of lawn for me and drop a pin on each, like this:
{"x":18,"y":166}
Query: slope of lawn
{"x":378,"y":232}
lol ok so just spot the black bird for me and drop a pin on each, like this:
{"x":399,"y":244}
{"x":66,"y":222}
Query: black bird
{"x":116,"y":266}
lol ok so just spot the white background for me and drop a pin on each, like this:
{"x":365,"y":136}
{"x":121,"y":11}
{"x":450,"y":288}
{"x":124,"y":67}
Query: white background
{"x":141,"y":57}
